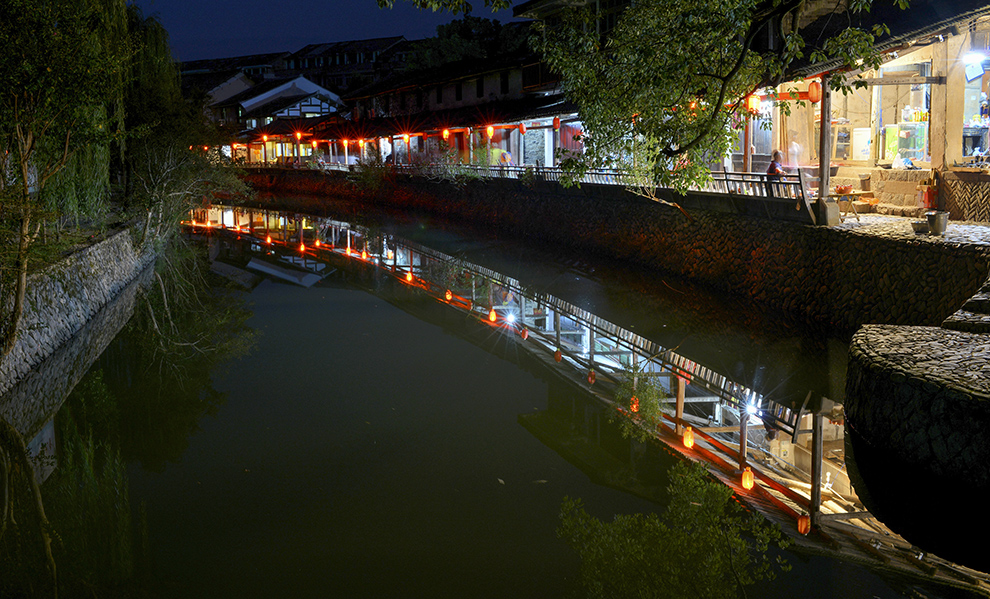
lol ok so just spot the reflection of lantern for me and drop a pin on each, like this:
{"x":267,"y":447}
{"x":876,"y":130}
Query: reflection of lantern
{"x":747,"y":478}
{"x":492,"y":315}
{"x":446,"y":134}
{"x":558,"y":356}
{"x":634,"y":403}
{"x":591,"y":377}
{"x":449,"y":296}
{"x":804,"y":524}
{"x":815,"y":92}
{"x":268,"y":240}
{"x":490,"y":131}
{"x":556,"y":123}
{"x":753,"y":103}
{"x":364,"y":254}
{"x":522,"y":128}
{"x":524,"y":333}
{"x":317,"y":243}
{"x":688,"y":437}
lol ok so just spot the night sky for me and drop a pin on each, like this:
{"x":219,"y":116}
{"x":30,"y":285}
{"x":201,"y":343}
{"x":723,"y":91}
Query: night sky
{"x":223,"y":28}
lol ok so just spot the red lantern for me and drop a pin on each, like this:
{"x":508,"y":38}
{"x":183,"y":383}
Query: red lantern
{"x":747,"y":478}
{"x":405,"y":138}
{"x":815,"y":92}
{"x":634,"y":403}
{"x":449,"y":296}
{"x":446,"y":134}
{"x":490,"y":131}
{"x":556,"y":123}
{"x":364,"y":254}
{"x":268,"y":239}
{"x":492,"y":315}
{"x":688,"y":438}
{"x":522,"y":128}
{"x":317,"y":243}
{"x":591,"y":377}
{"x":524,"y":333}
{"x":302,"y":247}
{"x":804,"y":524}
{"x":753,"y":104}
{"x":558,"y":356}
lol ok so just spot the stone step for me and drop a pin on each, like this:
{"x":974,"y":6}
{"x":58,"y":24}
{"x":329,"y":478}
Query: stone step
{"x":968,"y":322}
{"x":979,"y":303}
{"x":896,"y":210}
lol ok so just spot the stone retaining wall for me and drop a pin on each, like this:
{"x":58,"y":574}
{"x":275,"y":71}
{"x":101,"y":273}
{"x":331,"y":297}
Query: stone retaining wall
{"x":61,"y":299}
{"x":834,"y":278}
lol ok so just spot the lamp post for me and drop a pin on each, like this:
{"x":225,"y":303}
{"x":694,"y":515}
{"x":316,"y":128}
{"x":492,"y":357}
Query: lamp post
{"x":264,"y":148}
{"x":298,"y":149}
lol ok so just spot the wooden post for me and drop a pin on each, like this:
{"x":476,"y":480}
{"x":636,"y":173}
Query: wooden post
{"x":817,"y":451}
{"x":679,"y":406}
{"x":743,"y":421}
{"x":748,"y":145}
{"x":556,"y":327}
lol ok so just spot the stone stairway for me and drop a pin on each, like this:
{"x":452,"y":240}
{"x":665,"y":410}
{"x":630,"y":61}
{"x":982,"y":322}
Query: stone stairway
{"x":974,"y":316}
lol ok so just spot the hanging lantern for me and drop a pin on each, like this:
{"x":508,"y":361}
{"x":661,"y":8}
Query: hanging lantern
{"x":448,"y":296}
{"x":405,"y":137}
{"x":264,"y":138}
{"x":556,"y":123}
{"x":558,"y":356}
{"x":634,"y":404}
{"x":804,"y":524}
{"x":446,"y":134}
{"x":298,"y":135}
{"x":490,"y":131}
{"x":753,"y":104}
{"x":524,"y":333}
{"x":492,"y":315}
{"x":522,"y":128}
{"x":591,"y":377}
{"x":815,"y":92}
{"x":688,"y":437}
{"x":409,"y":277}
{"x":314,"y":143}
{"x":747,"y":478}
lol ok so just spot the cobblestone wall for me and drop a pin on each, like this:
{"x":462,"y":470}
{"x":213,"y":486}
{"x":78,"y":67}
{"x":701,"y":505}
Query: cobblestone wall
{"x":61,"y":299}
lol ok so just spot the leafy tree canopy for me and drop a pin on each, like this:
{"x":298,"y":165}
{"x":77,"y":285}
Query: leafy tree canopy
{"x":704,"y":545}
{"x":661,"y":94}
{"x":454,"y":6}
{"x":468,"y":38}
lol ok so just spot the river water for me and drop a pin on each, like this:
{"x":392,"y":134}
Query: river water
{"x":350,"y":440}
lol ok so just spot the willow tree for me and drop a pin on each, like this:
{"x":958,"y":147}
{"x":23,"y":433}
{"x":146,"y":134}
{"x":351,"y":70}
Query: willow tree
{"x":58,"y":70}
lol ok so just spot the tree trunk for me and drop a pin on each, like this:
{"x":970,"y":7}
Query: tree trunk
{"x":13,"y":319}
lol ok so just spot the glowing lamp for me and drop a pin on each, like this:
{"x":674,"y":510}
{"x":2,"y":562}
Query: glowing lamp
{"x":492,"y":315}
{"x":409,"y":277}
{"x":264,"y":138}
{"x":804,"y":524}
{"x":490,"y":131}
{"x":317,"y":243}
{"x":753,"y":103}
{"x":314,"y":143}
{"x":522,"y":128}
{"x":345,"y":143}
{"x":558,"y":356}
{"x":446,"y":134}
{"x":688,"y":437}
{"x":364,"y":254}
{"x":448,"y":296}
{"x":348,"y":251}
{"x":747,"y":478}
{"x":556,"y":123}
{"x":405,"y":137}
{"x":815,"y":92}
{"x":591,"y":377}
{"x":361,"y":143}
{"x":390,"y":254}
{"x":194,"y":223}
{"x":268,"y":240}
{"x":298,"y":135}
{"x":206,"y":148}
{"x":634,"y":404}
{"x":524,"y":333}
{"x":302,"y":247}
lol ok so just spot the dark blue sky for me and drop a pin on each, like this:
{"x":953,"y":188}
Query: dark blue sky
{"x":221,"y":28}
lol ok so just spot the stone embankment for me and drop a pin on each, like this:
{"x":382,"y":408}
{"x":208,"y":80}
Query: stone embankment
{"x":834,"y":278}
{"x":62,"y":298}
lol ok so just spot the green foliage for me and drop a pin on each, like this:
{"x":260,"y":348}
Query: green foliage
{"x":661,"y":94}
{"x":642,"y":391}
{"x":468,"y":38}
{"x":704,"y":545}
{"x":454,"y":6}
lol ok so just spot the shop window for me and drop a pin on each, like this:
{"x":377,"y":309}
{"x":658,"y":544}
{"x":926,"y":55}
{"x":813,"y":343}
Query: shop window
{"x":976,"y":112}
{"x":902,"y":114}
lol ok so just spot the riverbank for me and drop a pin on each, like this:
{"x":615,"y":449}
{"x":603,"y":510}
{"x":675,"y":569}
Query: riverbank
{"x":834,"y":278}
{"x":62,"y":298}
